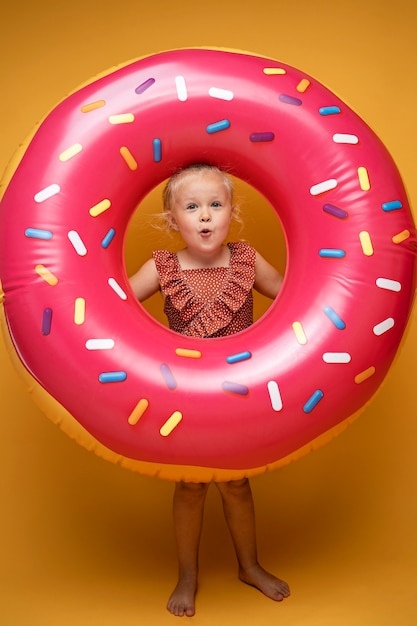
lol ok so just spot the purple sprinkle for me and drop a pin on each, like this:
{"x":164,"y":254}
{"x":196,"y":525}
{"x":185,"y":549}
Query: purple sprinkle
{"x":262,"y":136}
{"x":46,"y":321}
{"x":290,"y":100}
{"x":168,"y":376}
{"x":235,"y":388}
{"x":144,"y":86}
{"x":336,"y":211}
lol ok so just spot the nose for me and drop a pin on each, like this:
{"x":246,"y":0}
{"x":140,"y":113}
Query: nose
{"x":205,"y":216}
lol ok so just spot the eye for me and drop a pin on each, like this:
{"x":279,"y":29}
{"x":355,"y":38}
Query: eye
{"x":191,"y":207}
{"x":216,"y":204}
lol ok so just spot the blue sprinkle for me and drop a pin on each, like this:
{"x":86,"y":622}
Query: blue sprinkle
{"x":240,"y":356}
{"x":46,"y":321}
{"x":218,"y":126}
{"x":144,"y":86}
{"x":332,"y":253}
{"x":112,"y":377}
{"x":329,"y":110}
{"x":108,"y":238}
{"x":242,"y":390}
{"x":38,"y":233}
{"x":392,"y":206}
{"x":290,"y":100}
{"x":168,"y":376}
{"x":157,"y":150}
{"x":268,"y":136}
{"x":336,"y":211}
{"x":334,"y":317}
{"x":313,"y":401}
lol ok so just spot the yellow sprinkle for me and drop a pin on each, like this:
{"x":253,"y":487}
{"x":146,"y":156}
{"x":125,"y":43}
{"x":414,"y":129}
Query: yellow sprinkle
{"x":92,"y":106}
{"x":138,"y":411}
{"x":359,"y":378}
{"x":303,"y":85}
{"x":79,"y":311}
{"x":272,"y":71}
{"x":70,"y":152}
{"x":123,"y":118}
{"x":47,"y":276}
{"x":191,"y":354}
{"x":171,"y":423}
{"x":299,"y":333}
{"x":364,"y":179}
{"x":129,"y":158}
{"x":366,"y":243}
{"x":99,"y":208}
{"x":400,"y":237}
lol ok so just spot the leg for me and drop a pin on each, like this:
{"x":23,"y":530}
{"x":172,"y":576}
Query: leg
{"x":240,"y":517}
{"x":188,"y":510}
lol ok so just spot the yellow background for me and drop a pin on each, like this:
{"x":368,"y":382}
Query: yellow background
{"x":84,"y":542}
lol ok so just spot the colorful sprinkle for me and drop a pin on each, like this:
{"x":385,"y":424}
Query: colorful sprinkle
{"x":241,"y":390}
{"x":47,"y":276}
{"x":108,"y":238}
{"x":303,"y":85}
{"x":332,"y":253}
{"x":274,"y":71}
{"x":387,"y":283}
{"x":77,"y":242}
{"x":345,"y":138}
{"x":334,"y":110}
{"x":239,"y":356}
{"x":313,"y":401}
{"x":383,"y":327}
{"x":92,"y":106}
{"x":138,"y":411}
{"x":46,"y":321}
{"x":299,"y":333}
{"x":362,"y":376}
{"x":99,"y":344}
{"x":268,"y":136}
{"x":171,"y":423}
{"x":290,"y":100}
{"x":79,"y":311}
{"x":122,"y":118}
{"x":47,"y":192}
{"x":331,"y":209}
{"x":38,"y":233}
{"x":325,"y":185}
{"x":364,"y":181}
{"x":128,"y":158}
{"x":366,"y":243}
{"x":70,"y":152}
{"x":218,"y":126}
{"x":400,"y":237}
{"x":181,"y":88}
{"x":100,"y":207}
{"x":275,"y":395}
{"x":336,"y":357}
{"x":144,"y":86}
{"x":221,"y":94}
{"x":117,"y":288}
{"x":112,"y":377}
{"x":157,"y":150}
{"x":168,"y":376}
{"x":394,"y":205}
{"x":334,"y":317}
{"x":190,"y":354}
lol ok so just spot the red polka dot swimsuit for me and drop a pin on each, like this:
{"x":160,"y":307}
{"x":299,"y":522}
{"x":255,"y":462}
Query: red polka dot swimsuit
{"x":212,"y":301}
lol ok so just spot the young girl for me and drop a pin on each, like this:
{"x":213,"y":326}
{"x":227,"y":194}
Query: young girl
{"x":207,"y":289}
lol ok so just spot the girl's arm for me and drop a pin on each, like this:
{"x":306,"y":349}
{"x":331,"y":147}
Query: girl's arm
{"x":268,"y":280}
{"x":146,"y":281}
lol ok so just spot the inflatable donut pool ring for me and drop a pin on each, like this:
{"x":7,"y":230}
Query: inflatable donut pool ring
{"x":188,"y":408}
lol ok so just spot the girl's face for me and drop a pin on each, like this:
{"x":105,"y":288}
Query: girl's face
{"x":202,"y":211}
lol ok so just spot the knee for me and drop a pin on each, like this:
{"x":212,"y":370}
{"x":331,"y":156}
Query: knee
{"x":193,"y":491}
{"x":234,"y":488}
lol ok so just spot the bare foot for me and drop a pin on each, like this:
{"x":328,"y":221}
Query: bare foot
{"x":182,"y":598}
{"x":270,"y":585}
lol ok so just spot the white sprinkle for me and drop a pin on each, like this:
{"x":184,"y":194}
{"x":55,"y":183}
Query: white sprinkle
{"x":99,"y":344}
{"x":275,"y":395}
{"x":336,"y":357}
{"x":387,"y":283}
{"x":116,"y":288}
{"x":222,"y":94}
{"x":77,"y":242}
{"x":382,"y":327}
{"x":181,"y":88}
{"x":48,"y":192}
{"x":326,"y":185}
{"x":345,"y":138}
